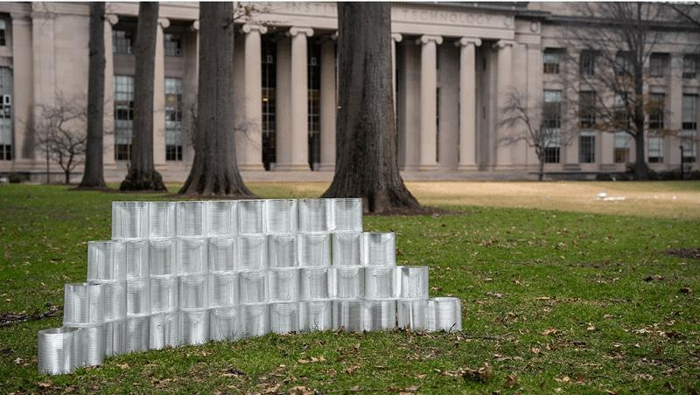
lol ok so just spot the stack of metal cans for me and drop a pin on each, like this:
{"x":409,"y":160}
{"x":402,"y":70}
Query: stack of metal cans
{"x":183,"y":273}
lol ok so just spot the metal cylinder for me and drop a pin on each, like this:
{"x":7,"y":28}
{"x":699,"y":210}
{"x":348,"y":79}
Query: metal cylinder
{"x":59,"y":350}
{"x":192,"y":255}
{"x":253,"y":287}
{"x":381,"y":282}
{"x":411,"y":314}
{"x":414,"y":282}
{"x":347,"y":214}
{"x":282,"y":250}
{"x":221,"y":218}
{"x":315,"y":215}
{"x":92,"y":348}
{"x":379,"y":315}
{"x":115,"y":299}
{"x":138,"y":297}
{"x":378,"y":249}
{"x":346,"y":249}
{"x":224,"y":324}
{"x":347,"y":282}
{"x":347,"y":314}
{"x":252,"y":252}
{"x":194,"y":326}
{"x":222,"y":254}
{"x":251,"y":216}
{"x":164,"y":330}
{"x":284,"y":284}
{"x":281,"y":216}
{"x":84,"y":304}
{"x":164,"y":294}
{"x":315,"y":283}
{"x":314,"y":249}
{"x":163,"y":257}
{"x":137,"y":333}
{"x":115,"y":337}
{"x":161,"y":219}
{"x":129,"y":220}
{"x":315,"y":316}
{"x":255,"y":319}
{"x":190,"y":219}
{"x":105,"y":261}
{"x":136,"y":257}
{"x":223,"y":289}
{"x":193,"y":292}
{"x":284,"y":317}
{"x":444,"y":314}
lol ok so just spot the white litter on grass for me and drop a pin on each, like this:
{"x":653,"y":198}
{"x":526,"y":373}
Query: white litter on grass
{"x":604,"y":197}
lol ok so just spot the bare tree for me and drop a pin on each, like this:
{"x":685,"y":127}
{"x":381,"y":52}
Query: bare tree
{"x":530,"y":122}
{"x":93,"y":175}
{"x":608,"y":50}
{"x":142,"y":174}
{"x":214,"y":170}
{"x":367,"y":164}
{"x":687,"y":12}
{"x":61,"y":134}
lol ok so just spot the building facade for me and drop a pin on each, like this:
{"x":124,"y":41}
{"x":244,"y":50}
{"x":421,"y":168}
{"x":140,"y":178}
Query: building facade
{"x":453,"y":65}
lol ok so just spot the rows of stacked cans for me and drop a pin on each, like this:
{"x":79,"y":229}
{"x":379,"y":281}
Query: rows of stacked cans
{"x":183,"y":273}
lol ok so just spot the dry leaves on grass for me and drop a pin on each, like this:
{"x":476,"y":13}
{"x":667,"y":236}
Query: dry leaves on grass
{"x":550,"y":331}
{"x":312,"y":360}
{"x":482,"y":374}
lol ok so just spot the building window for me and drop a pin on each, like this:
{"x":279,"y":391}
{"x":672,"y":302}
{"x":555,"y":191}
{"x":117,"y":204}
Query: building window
{"x":314,"y":70}
{"x":690,"y":66}
{"x":658,"y":65}
{"x":123,"y":116}
{"x":172,"y":44}
{"x":656,"y":111}
{"x":122,"y":42}
{"x":3,"y":33}
{"x":552,"y":123}
{"x":551,"y":155}
{"x":269,"y":112}
{"x":6,"y":138}
{"x":623,"y":64}
{"x":173,"y":119}
{"x":621,"y":115}
{"x":586,"y":147}
{"x":587,"y":66}
{"x":656,"y":149}
{"x":586,"y":104}
{"x":689,"y":137}
{"x":551,"y":61}
{"x":622,"y":147}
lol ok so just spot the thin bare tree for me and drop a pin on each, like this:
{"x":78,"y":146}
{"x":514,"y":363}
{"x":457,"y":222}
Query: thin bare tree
{"x":142,"y":175}
{"x":215,"y":171}
{"x":93,"y":175}
{"x":61,"y":135}
{"x":367,"y":161}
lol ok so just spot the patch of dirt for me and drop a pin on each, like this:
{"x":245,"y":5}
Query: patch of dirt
{"x":10,"y":319}
{"x":688,"y":253}
{"x":424,"y":210}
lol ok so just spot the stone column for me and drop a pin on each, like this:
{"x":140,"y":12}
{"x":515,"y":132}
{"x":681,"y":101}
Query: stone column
{"x":328,"y":105}
{"x":395,"y":38}
{"x":672,"y":154}
{"x":428,"y":102}
{"x":22,"y":86}
{"x":109,"y":138}
{"x":159,"y":96}
{"x":43,"y":47}
{"x":503,"y":86}
{"x":467,"y":102}
{"x":299,"y":148}
{"x":252,"y":150}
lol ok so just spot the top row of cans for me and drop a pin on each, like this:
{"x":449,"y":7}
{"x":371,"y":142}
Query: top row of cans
{"x":148,"y":220}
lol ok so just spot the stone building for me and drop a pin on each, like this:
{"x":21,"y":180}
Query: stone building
{"x":453,"y":61}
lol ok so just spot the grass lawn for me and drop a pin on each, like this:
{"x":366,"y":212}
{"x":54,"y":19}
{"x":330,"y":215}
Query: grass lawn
{"x":561,"y":293}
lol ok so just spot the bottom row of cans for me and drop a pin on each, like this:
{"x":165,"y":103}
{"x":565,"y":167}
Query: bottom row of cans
{"x":62,"y":350}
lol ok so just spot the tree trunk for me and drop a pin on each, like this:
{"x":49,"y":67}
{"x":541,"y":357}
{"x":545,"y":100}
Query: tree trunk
{"x":367,"y":163}
{"x":142,"y":174}
{"x":93,"y":176}
{"x":66,"y":174}
{"x":640,"y":165}
{"x":540,"y":173}
{"x":214,"y":170}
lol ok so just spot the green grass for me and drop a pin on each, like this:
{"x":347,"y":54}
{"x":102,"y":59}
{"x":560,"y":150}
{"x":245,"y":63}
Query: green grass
{"x":557,"y":299}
